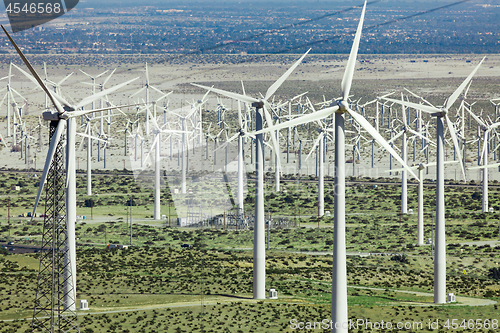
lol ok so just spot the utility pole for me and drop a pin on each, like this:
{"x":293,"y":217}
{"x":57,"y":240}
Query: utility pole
{"x":130,"y":220}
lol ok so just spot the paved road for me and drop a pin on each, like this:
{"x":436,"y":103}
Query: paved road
{"x":20,"y":248}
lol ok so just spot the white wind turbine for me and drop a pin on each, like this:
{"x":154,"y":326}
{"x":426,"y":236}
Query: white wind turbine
{"x":259,"y":265}
{"x":440,"y":113}
{"x":484,"y":167}
{"x":156,"y":145}
{"x":420,"y":216}
{"x":241,"y":164}
{"x":9,"y":94}
{"x":101,"y":128}
{"x":484,"y":156}
{"x":404,"y":156}
{"x":56,"y":85}
{"x":146,"y":88}
{"x":320,"y":143}
{"x":339,"y":274}
{"x":65,"y":113}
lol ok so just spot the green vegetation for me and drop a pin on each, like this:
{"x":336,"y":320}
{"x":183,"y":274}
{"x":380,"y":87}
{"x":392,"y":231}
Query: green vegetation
{"x":157,"y":286}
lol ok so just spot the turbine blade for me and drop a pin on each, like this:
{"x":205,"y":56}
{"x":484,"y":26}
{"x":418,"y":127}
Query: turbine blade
{"x":243,"y":87}
{"x":51,"y":94}
{"x":476,"y":118}
{"x":315,"y":144}
{"x":381,"y":141}
{"x":103,"y":93}
{"x":419,"y":97}
{"x":300,"y":120}
{"x":492,"y":126}
{"x":84,"y":112}
{"x":109,"y":77}
{"x":236,"y":96}
{"x":227,"y":142}
{"x":395,"y":137}
{"x":467,"y":90}
{"x":239,"y":115}
{"x":90,"y":137}
{"x":421,"y":136}
{"x":137,"y":92}
{"x":455,"y":143}
{"x":464,"y":84}
{"x":272,"y":89}
{"x":425,"y":108}
{"x":276,"y":146}
{"x":18,"y":94}
{"x":484,"y":166}
{"x":153,"y":146}
{"x":483,"y":152}
{"x":351,"y":63}
{"x":157,"y":90}
{"x":107,"y":70}
{"x":48,"y":161}
{"x":34,"y":77}
{"x":64,"y":79}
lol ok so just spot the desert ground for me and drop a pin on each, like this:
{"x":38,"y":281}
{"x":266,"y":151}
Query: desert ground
{"x":203,"y":287}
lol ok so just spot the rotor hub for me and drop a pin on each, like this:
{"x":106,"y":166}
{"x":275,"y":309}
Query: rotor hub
{"x":343,"y":106}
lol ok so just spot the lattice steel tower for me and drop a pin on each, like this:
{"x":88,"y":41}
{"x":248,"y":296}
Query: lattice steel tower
{"x":54,"y":302}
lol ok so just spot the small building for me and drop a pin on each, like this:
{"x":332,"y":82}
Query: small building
{"x":451,"y":298}
{"x":84,"y":305}
{"x":273,"y":294}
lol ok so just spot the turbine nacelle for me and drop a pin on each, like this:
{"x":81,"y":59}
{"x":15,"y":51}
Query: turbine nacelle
{"x":258,"y":105}
{"x":343,"y":106}
{"x":442,"y":113}
{"x":51,"y":116}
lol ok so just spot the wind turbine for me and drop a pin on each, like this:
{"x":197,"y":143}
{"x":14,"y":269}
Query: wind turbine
{"x":101,"y":128}
{"x":484,"y":156}
{"x":8,"y":91}
{"x":440,"y":113}
{"x":64,"y":114}
{"x":404,"y":156}
{"x":341,"y":107}
{"x":146,"y":88}
{"x":320,"y":144}
{"x":9,"y":94}
{"x":484,"y":167}
{"x":420,"y":218}
{"x":157,"y":162}
{"x":241,"y":164}
{"x":261,"y":106}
